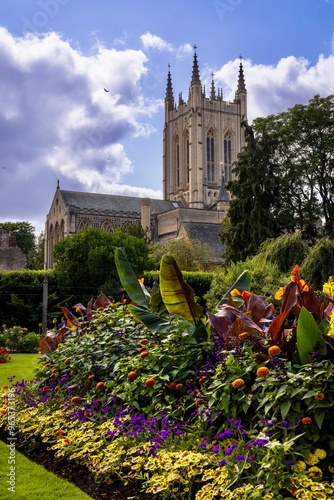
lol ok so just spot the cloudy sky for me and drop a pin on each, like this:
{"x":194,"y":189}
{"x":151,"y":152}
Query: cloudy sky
{"x":58,"y":56}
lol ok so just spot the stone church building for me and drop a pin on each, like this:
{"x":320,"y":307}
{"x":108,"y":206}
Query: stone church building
{"x":202,"y":137}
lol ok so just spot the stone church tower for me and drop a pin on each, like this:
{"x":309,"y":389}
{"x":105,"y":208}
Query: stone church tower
{"x":201,"y":140}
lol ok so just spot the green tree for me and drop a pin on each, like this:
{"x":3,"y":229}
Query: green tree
{"x":251,"y":215}
{"x":285,"y":251}
{"x":24,"y":233}
{"x":191,"y":255}
{"x":319,"y":263}
{"x":85,"y":261}
{"x":35,"y":258}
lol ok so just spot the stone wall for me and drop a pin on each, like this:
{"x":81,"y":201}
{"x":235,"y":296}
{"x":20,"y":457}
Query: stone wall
{"x":11,"y":257}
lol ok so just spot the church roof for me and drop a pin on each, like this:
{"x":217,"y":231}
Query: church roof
{"x":115,"y":203}
{"x":206,"y":233}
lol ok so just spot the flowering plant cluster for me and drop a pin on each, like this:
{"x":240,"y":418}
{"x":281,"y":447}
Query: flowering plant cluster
{"x":4,"y":355}
{"x":236,"y":404}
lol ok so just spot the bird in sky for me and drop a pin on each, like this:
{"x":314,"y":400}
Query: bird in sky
{"x":106,"y":90}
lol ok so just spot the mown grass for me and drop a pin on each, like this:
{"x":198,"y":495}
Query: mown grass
{"x":21,"y":365}
{"x":31,"y":480}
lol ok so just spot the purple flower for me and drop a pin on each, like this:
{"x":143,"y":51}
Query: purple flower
{"x":215,"y":449}
{"x":229,"y":451}
{"x":260,"y":442}
{"x":222,"y":462}
{"x":203,"y":444}
{"x":285,"y":424}
{"x":240,"y":458}
{"x":251,"y":458}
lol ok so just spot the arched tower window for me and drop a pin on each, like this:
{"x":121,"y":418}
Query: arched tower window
{"x":228,"y":156}
{"x":177,"y":161}
{"x":210,"y":156}
{"x":187,"y":155}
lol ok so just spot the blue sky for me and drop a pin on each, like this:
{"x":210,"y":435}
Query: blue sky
{"x":57,"y":56}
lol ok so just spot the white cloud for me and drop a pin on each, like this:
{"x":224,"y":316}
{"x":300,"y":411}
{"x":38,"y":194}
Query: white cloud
{"x":276,"y":88}
{"x":56,"y":120}
{"x":183,"y":51}
{"x":150,"y":41}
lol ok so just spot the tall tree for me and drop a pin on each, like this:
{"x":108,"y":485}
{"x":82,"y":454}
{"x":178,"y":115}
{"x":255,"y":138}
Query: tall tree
{"x":251,"y":216}
{"x":24,"y":233}
{"x":285,"y":179}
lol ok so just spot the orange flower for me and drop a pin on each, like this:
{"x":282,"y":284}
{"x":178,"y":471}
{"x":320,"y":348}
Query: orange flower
{"x":150,"y":382}
{"x":99,"y":385}
{"x":235,"y":293}
{"x":263,"y":371}
{"x":178,"y":386}
{"x":143,"y":341}
{"x":296,"y":270}
{"x":279,"y":294}
{"x":304,"y":286}
{"x":132,"y":375}
{"x":274,"y":350}
{"x":66,"y":440}
{"x":172,"y":386}
{"x":306,"y":420}
{"x":243,"y":335}
{"x":199,"y":402}
{"x":320,"y":396}
{"x":142,"y":349}
{"x":141,"y":280}
{"x":76,"y":400}
{"x":238,"y":382}
{"x":59,"y":432}
{"x":143,"y":354}
{"x":245,"y":295}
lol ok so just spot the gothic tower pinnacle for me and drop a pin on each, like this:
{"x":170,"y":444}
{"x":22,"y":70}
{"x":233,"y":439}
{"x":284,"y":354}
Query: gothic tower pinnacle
{"x":169,"y":98}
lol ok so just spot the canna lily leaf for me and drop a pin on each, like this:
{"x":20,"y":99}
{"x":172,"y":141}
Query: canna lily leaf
{"x":129,"y":280}
{"x":176,"y":294}
{"x":242,"y":283}
{"x":308,"y":336}
{"x":101,"y":302}
{"x":151,"y":321}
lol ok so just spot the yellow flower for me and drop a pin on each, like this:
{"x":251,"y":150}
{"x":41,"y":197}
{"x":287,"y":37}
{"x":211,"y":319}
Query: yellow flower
{"x":235,"y":293}
{"x":312,"y":459}
{"x":321,"y":454}
{"x":263,"y":371}
{"x":238,"y":383}
{"x":299,"y":466}
{"x":328,"y":287}
{"x":279,"y":294}
{"x":243,"y":335}
{"x":315,"y":472}
{"x":274,"y":350}
{"x":304,"y":286}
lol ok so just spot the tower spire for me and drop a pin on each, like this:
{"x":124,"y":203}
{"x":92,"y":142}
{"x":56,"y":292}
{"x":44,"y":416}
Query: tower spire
{"x":241,"y":79}
{"x":169,"y":90}
{"x":195,"y":79}
{"x":213,"y":90}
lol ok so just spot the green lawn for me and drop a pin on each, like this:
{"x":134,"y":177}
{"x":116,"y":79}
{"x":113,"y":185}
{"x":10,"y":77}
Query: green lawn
{"x":32,"y":481}
{"x":21,"y":365}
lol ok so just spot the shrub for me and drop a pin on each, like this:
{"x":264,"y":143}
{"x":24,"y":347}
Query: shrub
{"x":319,"y":263}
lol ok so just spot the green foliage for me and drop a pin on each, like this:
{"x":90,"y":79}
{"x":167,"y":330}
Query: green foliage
{"x":191,"y":255}
{"x":265,"y":279}
{"x":308,"y":336}
{"x":35,"y":258}
{"x":319,"y":263}
{"x":87,"y":258}
{"x":24,"y":233}
{"x":285,"y":251}
{"x":18,"y":339}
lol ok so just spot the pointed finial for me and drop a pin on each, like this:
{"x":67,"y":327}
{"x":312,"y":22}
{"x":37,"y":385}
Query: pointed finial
{"x":195,"y":47}
{"x":58,"y":184}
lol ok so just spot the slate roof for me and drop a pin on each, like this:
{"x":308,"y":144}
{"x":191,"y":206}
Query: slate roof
{"x":206,"y":233}
{"x":114,"y":203}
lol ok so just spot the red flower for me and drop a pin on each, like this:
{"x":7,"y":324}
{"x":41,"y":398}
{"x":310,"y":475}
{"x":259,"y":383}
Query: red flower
{"x":144,"y":354}
{"x":76,"y":400}
{"x":306,"y":420}
{"x":143,"y":349}
{"x":143,"y":341}
{"x":199,"y":402}
{"x":99,"y":385}
{"x":132,"y":375}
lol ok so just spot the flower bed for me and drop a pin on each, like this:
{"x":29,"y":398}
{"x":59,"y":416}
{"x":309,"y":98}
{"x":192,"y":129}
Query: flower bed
{"x":237,"y":405}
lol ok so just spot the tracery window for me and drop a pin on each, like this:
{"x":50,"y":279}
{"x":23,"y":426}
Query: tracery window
{"x":210,"y":156}
{"x":84,"y":224}
{"x":107,"y":225}
{"x":228,"y":157}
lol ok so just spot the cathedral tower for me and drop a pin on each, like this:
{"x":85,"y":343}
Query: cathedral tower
{"x":201,"y":140}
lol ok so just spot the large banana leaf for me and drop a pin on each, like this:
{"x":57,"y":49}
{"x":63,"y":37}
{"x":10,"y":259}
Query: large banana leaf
{"x":150,"y":320}
{"x":308,"y":336}
{"x":242,"y":283}
{"x":176,"y":294}
{"x":129,"y":280}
